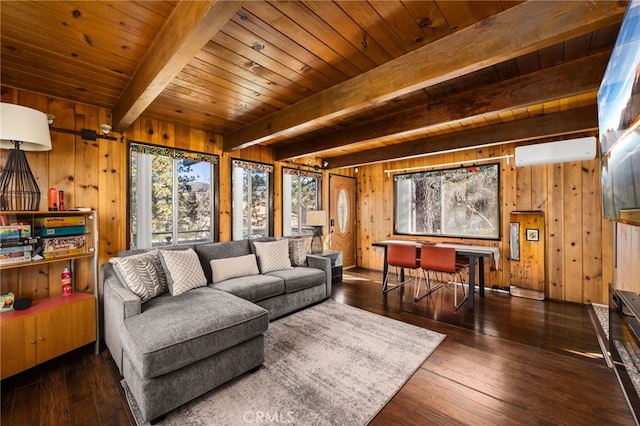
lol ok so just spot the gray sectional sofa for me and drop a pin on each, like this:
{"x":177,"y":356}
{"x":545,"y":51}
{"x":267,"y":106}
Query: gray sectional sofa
{"x":173,"y":343}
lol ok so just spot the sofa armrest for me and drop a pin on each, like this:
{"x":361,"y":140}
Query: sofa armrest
{"x":324,"y":263}
{"x":119,"y":303}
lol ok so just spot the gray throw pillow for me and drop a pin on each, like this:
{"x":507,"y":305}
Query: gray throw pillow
{"x":273,"y":256}
{"x":142,"y":274}
{"x":183,"y":270}
{"x":233,"y":267}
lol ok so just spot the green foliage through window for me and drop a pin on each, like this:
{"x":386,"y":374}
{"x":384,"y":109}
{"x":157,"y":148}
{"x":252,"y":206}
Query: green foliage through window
{"x":301,"y":191}
{"x":171,"y":196}
{"x":252,"y":199}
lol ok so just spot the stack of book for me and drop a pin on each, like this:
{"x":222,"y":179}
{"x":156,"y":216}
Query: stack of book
{"x":61,"y":236}
{"x":16,"y":243}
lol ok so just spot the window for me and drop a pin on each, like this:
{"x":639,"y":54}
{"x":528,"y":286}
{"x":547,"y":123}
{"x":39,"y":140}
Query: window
{"x":252,"y":199}
{"x":462,"y":202}
{"x":301,"y":191}
{"x":172,"y":196}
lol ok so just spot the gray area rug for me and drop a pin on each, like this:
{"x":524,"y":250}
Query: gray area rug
{"x":330,"y":364}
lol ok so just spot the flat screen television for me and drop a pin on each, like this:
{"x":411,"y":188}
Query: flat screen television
{"x":619,"y":123}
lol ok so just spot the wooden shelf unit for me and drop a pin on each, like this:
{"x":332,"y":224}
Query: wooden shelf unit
{"x":54,"y":324}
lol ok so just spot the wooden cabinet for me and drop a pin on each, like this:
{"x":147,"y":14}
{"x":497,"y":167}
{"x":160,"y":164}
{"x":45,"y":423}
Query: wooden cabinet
{"x":49,"y":328}
{"x":54,"y":324}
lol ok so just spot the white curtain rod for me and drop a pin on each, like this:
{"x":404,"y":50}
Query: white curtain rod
{"x":388,"y":172}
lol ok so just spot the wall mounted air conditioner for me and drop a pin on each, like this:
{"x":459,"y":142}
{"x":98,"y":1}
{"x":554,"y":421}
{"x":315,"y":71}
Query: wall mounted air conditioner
{"x":556,"y":152}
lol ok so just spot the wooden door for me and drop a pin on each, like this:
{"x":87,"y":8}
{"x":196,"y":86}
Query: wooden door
{"x":527,"y":254}
{"x":342,"y":217}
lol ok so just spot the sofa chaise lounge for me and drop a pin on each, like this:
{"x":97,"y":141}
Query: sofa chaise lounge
{"x":182,"y":321}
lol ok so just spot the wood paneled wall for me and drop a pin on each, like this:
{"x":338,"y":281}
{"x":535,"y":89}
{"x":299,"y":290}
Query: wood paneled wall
{"x":579,"y":261}
{"x":94,"y":174}
{"x":578,"y":241}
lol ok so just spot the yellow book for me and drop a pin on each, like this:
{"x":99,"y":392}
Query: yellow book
{"x":56,"y":221}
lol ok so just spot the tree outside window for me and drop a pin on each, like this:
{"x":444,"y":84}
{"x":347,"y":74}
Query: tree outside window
{"x":251,"y":189}
{"x":461,"y":202}
{"x":172,"y":197}
{"x":301,"y":191}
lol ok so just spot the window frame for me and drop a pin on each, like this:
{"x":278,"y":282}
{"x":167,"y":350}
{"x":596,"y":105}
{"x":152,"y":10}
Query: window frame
{"x":498,"y":205}
{"x":215,"y":188}
{"x":270,"y":169}
{"x":318,"y":196}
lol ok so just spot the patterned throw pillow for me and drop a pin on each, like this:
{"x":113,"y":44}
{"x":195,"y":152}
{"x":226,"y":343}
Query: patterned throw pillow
{"x":142,"y":274}
{"x":273,"y":256}
{"x":183,"y":270}
{"x":298,"y":251}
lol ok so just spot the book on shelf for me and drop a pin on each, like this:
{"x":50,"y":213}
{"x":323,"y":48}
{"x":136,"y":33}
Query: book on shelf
{"x":58,"y":221}
{"x":15,"y":232}
{"x":61,"y":231}
{"x":15,"y":254}
{"x":63,"y":243}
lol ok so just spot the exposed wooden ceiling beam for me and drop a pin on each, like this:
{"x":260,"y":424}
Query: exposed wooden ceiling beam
{"x":507,"y":35}
{"x":575,"y":78}
{"x":190,"y":27}
{"x":562,"y":123}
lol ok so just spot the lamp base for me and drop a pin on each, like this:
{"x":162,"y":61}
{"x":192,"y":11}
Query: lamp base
{"x":317,"y":246}
{"x":18,"y":188}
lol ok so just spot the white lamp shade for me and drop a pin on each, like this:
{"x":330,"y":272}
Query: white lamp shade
{"x":316,"y":218}
{"x":26,"y":125}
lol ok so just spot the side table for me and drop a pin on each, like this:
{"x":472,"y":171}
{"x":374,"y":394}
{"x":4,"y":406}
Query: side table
{"x":336,"y":264}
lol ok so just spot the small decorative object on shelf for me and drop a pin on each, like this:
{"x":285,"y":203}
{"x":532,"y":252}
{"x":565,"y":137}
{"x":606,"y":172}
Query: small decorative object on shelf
{"x":66,"y":282}
{"x":61,"y":201}
{"x":53,"y":196}
{"x":6,"y":302}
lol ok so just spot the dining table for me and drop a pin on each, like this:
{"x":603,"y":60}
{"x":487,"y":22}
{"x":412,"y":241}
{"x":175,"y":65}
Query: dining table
{"x":475,"y":253}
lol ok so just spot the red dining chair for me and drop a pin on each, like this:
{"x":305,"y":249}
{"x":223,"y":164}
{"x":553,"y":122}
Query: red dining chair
{"x":401,"y":256}
{"x":442,"y":259}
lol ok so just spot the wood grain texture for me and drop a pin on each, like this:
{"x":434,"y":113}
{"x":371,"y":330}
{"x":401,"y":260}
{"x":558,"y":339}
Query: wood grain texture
{"x":475,"y":47}
{"x":566,"y":80}
{"x":190,"y":27}
{"x":563,"y":197}
{"x":540,"y":366}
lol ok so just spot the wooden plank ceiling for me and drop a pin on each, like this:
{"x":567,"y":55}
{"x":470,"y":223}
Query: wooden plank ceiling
{"x":350,"y":82}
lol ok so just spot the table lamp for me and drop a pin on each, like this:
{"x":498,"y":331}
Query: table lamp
{"x":21,"y":129}
{"x":317,"y":219}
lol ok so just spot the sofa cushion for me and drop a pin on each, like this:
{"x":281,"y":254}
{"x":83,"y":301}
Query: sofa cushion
{"x":222,"y":250}
{"x":298,"y":251}
{"x":273,"y":255}
{"x":176,"y":331}
{"x":142,"y":274}
{"x":183,"y":270}
{"x":252,"y":288}
{"x":300,"y":278}
{"x":233,"y":267}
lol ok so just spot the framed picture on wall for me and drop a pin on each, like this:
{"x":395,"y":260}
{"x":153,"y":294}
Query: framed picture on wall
{"x":533,"y":234}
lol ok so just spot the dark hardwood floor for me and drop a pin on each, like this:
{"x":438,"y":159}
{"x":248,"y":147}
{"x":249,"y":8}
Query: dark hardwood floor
{"x":512,"y":361}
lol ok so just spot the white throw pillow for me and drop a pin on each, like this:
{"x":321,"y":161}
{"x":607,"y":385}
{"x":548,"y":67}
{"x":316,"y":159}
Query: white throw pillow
{"x":233,"y":267}
{"x":183,"y":270}
{"x":142,"y":274}
{"x":273,"y":256}
{"x":298,"y":251}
